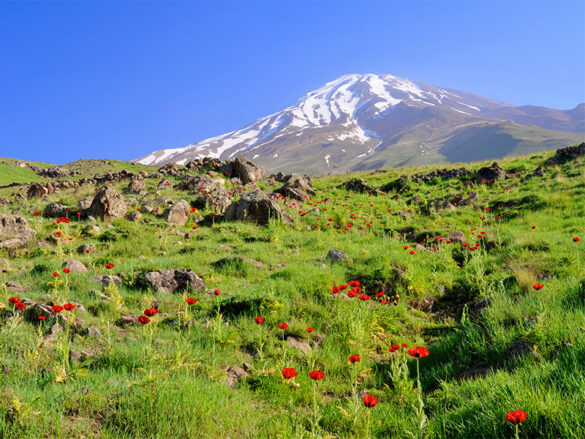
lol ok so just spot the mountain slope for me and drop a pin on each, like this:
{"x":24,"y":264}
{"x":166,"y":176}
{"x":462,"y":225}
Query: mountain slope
{"x":364,"y":121}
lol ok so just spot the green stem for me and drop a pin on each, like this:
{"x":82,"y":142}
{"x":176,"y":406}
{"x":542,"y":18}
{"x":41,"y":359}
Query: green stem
{"x":517,"y":436}
{"x":314,"y":407}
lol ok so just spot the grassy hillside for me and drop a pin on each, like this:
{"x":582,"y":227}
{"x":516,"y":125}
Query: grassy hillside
{"x":496,"y":344}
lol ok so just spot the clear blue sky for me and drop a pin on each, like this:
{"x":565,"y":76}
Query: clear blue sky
{"x":119,"y":80}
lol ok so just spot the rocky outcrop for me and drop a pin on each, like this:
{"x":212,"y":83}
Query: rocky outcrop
{"x":14,"y":231}
{"x":177,"y":213}
{"x":298,"y":187}
{"x":107,"y":204}
{"x":217,"y":198}
{"x":256,"y":207}
{"x":567,"y":154}
{"x":171,"y":280}
{"x":136,"y":186}
{"x":442,"y":173}
{"x":247,"y":171}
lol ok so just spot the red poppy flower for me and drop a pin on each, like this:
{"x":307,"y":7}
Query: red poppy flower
{"x":55,"y":274}
{"x":411,"y":252}
{"x":144,"y":320}
{"x":109,"y":266}
{"x":405,"y":247}
{"x":66,"y":270}
{"x":516,"y":417}
{"x":391,"y":349}
{"x":20,"y":306}
{"x":380,"y":294}
{"x":190,"y":301}
{"x":364,"y":297}
{"x":56,"y":308}
{"x":418,"y":352}
{"x":538,"y":286}
{"x":217,"y":292}
{"x":395,"y":346}
{"x":370,"y":401}
{"x":533,"y":227}
{"x":309,"y":329}
{"x":316,"y":375}
{"x":69,"y":306}
{"x":38,"y":212}
{"x":576,"y":239}
{"x":355,"y":358}
{"x":404,"y":345}
{"x":43,"y":318}
{"x":259,"y":320}
{"x":58,"y":234}
{"x":283,"y":326}
{"x":149,"y":312}
{"x":14,"y":300}
{"x":289,"y":372}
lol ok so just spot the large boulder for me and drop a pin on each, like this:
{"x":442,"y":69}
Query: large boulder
{"x":247,"y":171}
{"x":14,"y":231}
{"x":491,"y":173}
{"x":196,"y":183}
{"x":55,"y":210}
{"x":171,"y":280}
{"x":256,"y":207}
{"x":357,"y":185}
{"x":36,"y":190}
{"x":107,"y":204}
{"x":177,"y":213}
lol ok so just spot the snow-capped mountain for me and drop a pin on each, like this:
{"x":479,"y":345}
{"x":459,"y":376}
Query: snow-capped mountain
{"x":369,"y":121}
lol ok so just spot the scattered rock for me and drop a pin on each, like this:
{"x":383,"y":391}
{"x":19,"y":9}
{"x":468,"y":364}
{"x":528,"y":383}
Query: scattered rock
{"x":336,"y":255}
{"x":357,"y":185}
{"x":246,"y":170}
{"x":456,"y":236}
{"x":171,"y":280}
{"x":301,"y":345}
{"x":177,"y":213}
{"x":86,"y":248}
{"x":13,"y":287}
{"x":128,"y":320}
{"x":107,"y":204}
{"x":491,"y":173}
{"x":74,"y":266}
{"x":231,"y":259}
{"x":106,"y":280}
{"x":234,"y":374}
{"x":257,"y":207}
{"x":94,"y":332}
{"x":14,"y":231}
{"x":55,"y":210}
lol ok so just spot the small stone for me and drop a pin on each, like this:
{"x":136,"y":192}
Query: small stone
{"x":93,"y":332}
{"x":336,"y":255}
{"x":74,"y":266}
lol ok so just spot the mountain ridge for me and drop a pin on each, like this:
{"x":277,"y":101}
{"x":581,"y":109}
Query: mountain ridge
{"x":360,"y":119}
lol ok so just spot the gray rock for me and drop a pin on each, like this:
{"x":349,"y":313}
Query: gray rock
{"x":55,"y":210}
{"x":136,"y":186}
{"x":301,"y":345}
{"x":234,"y":374}
{"x":256,"y":207}
{"x":85,"y":248}
{"x":171,"y":280}
{"x":177,"y":213}
{"x":74,"y":266}
{"x":336,"y":255}
{"x":107,"y":204}
{"x":94,"y":332}
{"x":456,"y":236}
{"x":106,"y":280}
{"x":14,"y":231}
{"x":246,"y":170}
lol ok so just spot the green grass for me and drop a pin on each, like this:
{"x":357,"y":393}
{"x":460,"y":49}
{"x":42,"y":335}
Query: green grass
{"x":167,"y":379}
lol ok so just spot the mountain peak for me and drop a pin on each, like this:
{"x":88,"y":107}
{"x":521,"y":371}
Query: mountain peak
{"x":371,"y":120}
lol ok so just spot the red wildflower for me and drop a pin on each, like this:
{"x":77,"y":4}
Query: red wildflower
{"x":57,"y":308}
{"x":395,"y":346}
{"x":217,"y":292}
{"x":149,"y":312}
{"x":380,"y":294}
{"x":55,"y":274}
{"x":58,"y":234}
{"x":576,"y":239}
{"x":259,"y":320}
{"x":190,"y":301}
{"x":43,"y":318}
{"x":283,"y":326}
{"x":533,"y":227}
{"x":355,"y":358}
{"x":405,"y":247}
{"x":412,"y":252}
{"x":14,"y":300}
{"x":418,"y":352}
{"x":370,"y":401}
{"x":38,"y":212}
{"x":516,"y":417}
{"x":289,"y":372}
{"x":309,"y":329}
{"x":144,"y":320}
{"x":316,"y":375}
{"x":538,"y":286}
{"x":20,"y":305}
{"x":66,"y":270}
{"x":69,"y":306}
{"x":404,"y":345}
{"x":109,"y":266}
